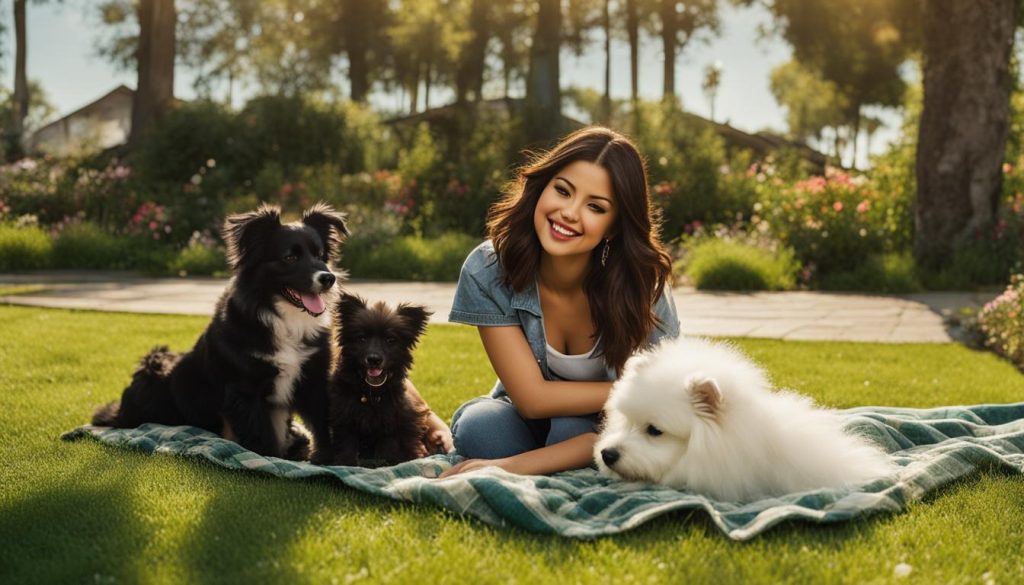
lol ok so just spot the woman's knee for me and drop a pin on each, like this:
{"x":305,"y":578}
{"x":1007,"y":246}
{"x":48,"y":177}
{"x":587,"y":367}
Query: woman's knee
{"x":564,"y":428}
{"x":488,"y":428}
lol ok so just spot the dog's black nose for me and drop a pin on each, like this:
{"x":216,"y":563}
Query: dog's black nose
{"x":326,"y":280}
{"x":610,"y":455}
{"x":374,"y":361}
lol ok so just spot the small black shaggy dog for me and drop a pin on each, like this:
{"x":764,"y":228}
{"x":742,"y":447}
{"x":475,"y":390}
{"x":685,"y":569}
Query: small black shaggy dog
{"x":267,"y":352}
{"x":373,"y":419}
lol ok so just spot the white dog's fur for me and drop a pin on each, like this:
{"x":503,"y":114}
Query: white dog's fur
{"x":724,"y":432}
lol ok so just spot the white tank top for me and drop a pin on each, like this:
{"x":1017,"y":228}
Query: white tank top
{"x":585,"y":367}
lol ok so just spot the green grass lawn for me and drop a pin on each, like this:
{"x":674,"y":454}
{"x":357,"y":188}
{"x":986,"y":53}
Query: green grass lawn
{"x":82,"y":512}
{"x":20,"y":289}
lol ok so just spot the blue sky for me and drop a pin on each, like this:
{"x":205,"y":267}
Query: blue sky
{"x":62,"y":57}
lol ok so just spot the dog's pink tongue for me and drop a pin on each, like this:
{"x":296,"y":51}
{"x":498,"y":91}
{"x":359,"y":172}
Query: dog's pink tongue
{"x":312,"y":302}
{"x":374,"y":372}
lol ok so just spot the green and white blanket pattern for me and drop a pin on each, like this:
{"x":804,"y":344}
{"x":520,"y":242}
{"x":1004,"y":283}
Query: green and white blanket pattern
{"x":933,"y":446}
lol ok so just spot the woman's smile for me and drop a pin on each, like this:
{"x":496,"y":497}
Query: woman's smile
{"x":561,"y":232}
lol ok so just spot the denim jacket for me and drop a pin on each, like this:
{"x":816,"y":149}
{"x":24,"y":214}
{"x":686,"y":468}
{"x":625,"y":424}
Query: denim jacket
{"x":482,"y":299}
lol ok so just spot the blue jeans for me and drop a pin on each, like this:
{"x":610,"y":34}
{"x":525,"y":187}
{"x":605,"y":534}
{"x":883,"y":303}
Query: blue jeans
{"x":491,"y":428}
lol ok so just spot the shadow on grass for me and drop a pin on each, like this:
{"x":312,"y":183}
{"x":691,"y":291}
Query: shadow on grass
{"x":248,"y":527}
{"x":76,"y":530}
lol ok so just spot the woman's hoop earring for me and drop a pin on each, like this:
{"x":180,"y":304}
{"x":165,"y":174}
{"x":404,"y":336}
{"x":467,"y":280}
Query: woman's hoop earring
{"x":604,"y":253}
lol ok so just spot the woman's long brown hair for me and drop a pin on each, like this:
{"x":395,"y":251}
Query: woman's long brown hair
{"x":622,"y":293}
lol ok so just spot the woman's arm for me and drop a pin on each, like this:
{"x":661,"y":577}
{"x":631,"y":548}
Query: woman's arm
{"x":570,"y":454}
{"x":533,"y":396}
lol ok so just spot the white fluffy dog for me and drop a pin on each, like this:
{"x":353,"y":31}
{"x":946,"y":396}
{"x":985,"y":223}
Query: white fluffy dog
{"x":699,"y":415}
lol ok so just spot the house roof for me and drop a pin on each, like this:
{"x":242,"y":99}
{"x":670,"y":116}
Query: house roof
{"x":119,"y":90}
{"x":761,"y":142}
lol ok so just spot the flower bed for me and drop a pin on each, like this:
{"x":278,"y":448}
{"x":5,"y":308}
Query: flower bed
{"x":1001,"y":322}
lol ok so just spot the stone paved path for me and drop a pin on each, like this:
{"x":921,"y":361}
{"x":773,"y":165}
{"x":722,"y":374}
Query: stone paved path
{"x":789,"y":315}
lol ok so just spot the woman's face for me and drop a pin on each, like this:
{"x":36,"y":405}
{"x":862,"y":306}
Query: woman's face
{"x":576,"y":210}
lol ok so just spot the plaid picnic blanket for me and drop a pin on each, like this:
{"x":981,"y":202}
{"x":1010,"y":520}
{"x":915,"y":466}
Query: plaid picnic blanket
{"x":933,"y":447}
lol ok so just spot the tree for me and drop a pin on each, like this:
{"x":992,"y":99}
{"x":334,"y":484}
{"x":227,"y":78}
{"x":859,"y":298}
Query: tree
{"x":356,"y":29}
{"x":512,"y":30}
{"x":858,"y":45}
{"x":682,"y":22}
{"x":154,"y":93}
{"x":964,"y":123}
{"x":19,"y":111}
{"x":216,"y":38}
{"x":583,"y":16}
{"x":812,"y":103}
{"x":606,"y":101}
{"x":40,"y":109}
{"x":633,"y":34}
{"x":472,"y":61}
{"x":426,"y":39}
{"x":361,"y":21}
{"x":712,"y":80}
{"x":543,"y":95}
{"x":16,"y":130}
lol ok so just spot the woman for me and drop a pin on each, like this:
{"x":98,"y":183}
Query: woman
{"x":571,"y":283}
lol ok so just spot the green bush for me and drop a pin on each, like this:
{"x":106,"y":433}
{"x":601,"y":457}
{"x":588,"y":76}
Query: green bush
{"x":86,"y":245}
{"x":718,"y":264}
{"x":38,"y":187}
{"x":686,"y":164}
{"x":893,"y":177}
{"x":408,"y":257}
{"x":833,"y":223}
{"x":23,"y":248}
{"x":198,"y":260}
{"x":884,"y":273}
{"x":187,"y":138}
{"x":295,"y":131}
{"x":1002,"y":322}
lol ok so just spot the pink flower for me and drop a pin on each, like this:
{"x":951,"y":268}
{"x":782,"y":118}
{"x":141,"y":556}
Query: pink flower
{"x":863,"y":206}
{"x":1007,"y":168}
{"x":812,"y":185}
{"x":838,"y":206}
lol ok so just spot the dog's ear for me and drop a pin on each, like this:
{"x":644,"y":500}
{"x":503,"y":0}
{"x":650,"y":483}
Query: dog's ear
{"x":330,"y":224}
{"x":416,"y":317}
{"x":246,"y":233}
{"x":705,"y":395}
{"x":348,"y":305}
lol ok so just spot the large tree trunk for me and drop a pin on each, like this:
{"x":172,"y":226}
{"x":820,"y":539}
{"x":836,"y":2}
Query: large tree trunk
{"x":633,"y":32}
{"x":20,"y":110}
{"x":543,"y":95}
{"x":669,"y":29}
{"x":964,"y":123}
{"x":155,"y":92}
{"x":354,"y":28}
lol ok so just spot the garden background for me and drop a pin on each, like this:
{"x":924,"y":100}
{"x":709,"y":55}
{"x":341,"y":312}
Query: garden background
{"x":941,"y":207}
{"x":345,"y":109}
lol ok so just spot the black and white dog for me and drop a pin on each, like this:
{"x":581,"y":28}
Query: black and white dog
{"x":266,"y":354}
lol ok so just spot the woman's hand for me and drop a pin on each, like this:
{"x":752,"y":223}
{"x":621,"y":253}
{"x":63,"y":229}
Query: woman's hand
{"x":474,"y":464}
{"x":571,"y":454}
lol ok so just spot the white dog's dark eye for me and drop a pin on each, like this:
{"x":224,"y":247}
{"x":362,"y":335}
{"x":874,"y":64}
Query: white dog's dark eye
{"x":653,"y":431}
